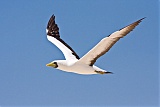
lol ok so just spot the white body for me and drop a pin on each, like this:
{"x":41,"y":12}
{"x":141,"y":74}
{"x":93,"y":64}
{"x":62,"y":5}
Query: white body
{"x":84,"y":65}
{"x":76,"y":67}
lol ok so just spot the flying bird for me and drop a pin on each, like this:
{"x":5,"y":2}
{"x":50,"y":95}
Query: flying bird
{"x":84,"y":65}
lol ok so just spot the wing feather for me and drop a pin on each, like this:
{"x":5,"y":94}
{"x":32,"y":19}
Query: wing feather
{"x":106,"y":43}
{"x":54,"y":37}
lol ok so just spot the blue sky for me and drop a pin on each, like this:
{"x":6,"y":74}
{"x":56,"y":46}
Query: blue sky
{"x":26,"y":81}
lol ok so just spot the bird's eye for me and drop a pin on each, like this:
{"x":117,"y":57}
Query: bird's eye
{"x":55,"y":64}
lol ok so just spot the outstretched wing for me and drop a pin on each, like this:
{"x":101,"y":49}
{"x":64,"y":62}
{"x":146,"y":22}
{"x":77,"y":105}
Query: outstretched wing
{"x":106,"y":43}
{"x":54,"y":37}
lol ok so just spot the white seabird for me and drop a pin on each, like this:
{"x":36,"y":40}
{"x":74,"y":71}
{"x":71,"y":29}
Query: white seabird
{"x":84,"y":65}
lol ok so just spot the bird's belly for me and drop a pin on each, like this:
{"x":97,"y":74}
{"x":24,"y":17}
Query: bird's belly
{"x":79,"y":69}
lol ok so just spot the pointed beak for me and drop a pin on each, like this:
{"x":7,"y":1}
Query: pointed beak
{"x":50,"y":64}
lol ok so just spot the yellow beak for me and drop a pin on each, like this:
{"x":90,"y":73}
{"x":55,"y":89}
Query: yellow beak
{"x":50,"y":64}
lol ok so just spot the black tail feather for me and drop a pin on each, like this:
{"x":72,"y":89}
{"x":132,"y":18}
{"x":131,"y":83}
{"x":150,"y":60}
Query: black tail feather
{"x":102,"y":72}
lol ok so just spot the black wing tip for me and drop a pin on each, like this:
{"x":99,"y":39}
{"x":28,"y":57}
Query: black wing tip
{"x":141,"y":19}
{"x":53,"y":16}
{"x":51,"y":20}
{"x":52,"y":27}
{"x":138,"y":21}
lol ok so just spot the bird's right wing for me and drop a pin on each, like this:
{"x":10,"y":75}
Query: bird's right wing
{"x":106,"y":43}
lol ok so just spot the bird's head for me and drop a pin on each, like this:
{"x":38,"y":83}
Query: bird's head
{"x":52,"y":64}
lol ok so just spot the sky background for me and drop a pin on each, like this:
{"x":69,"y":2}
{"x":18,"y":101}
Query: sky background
{"x":26,"y":81}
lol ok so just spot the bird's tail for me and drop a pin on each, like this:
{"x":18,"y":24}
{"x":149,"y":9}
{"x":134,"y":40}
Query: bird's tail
{"x":102,"y":72}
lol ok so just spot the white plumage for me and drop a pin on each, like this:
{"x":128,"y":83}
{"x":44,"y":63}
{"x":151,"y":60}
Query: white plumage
{"x":84,"y":65}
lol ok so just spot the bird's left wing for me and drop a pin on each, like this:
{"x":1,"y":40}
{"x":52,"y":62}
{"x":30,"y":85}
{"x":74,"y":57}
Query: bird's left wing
{"x":106,"y":43}
{"x":54,"y":37}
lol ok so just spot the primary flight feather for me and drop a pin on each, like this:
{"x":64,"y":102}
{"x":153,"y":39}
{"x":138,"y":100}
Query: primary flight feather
{"x":84,"y":65}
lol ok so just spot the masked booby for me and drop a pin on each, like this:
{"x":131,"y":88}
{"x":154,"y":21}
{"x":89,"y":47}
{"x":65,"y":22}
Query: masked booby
{"x":84,"y":65}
